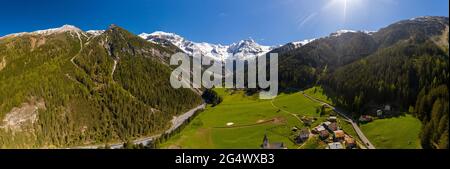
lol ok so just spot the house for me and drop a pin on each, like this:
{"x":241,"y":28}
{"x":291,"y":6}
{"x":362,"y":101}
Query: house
{"x":267,"y":145}
{"x":335,"y":145}
{"x":303,"y":136}
{"x":332,"y":118}
{"x":379,"y":113}
{"x":350,"y":143}
{"x":307,"y":121}
{"x":332,"y":127}
{"x":365,"y":118}
{"x":326,"y":123}
{"x":318,"y":129}
{"x":324,"y":134}
{"x":339,"y":135}
{"x":387,"y":107}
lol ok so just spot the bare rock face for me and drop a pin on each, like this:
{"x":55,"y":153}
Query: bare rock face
{"x":23,"y":117}
{"x":2,"y":63}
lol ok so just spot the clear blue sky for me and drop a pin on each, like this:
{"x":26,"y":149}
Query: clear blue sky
{"x":269,"y":22}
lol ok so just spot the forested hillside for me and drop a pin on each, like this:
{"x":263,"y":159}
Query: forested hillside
{"x":303,"y":66}
{"x":70,"y":88}
{"x":409,"y":76}
{"x":405,"y":64}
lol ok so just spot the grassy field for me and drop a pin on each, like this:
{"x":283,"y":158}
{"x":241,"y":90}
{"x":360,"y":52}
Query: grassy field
{"x":317,"y":92}
{"x":252,"y":118}
{"x":296,"y":103}
{"x":394,"y":133}
{"x":314,"y":143}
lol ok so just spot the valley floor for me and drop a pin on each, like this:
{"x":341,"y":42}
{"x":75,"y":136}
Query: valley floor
{"x":242,"y":121}
{"x":398,"y":132}
{"x":238,"y":122}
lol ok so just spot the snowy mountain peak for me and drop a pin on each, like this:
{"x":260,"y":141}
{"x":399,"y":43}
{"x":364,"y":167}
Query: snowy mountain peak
{"x":248,"y":48}
{"x":165,"y":38}
{"x":159,"y":35}
{"x":166,"y":34}
{"x":341,"y":32}
{"x":344,"y":31}
{"x":242,"y":49}
{"x":249,"y":41}
{"x":302,"y":43}
{"x":422,"y":18}
{"x":95,"y":32}
{"x":64,"y":28}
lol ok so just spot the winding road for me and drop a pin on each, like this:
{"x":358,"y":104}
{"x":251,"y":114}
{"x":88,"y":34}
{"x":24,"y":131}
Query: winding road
{"x":81,"y":49}
{"x":177,"y":121}
{"x":341,"y":112}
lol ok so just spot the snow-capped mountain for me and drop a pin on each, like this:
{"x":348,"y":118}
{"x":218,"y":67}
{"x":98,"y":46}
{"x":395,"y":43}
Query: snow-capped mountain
{"x":241,"y":50}
{"x":248,"y":48}
{"x":298,"y":44}
{"x":64,"y":28}
{"x":95,"y":32}
{"x":341,"y":32}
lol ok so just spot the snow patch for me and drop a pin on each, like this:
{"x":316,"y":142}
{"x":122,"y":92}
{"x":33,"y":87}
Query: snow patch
{"x":95,"y":32}
{"x":344,"y":31}
{"x":341,"y":32}
{"x":64,"y":28}
{"x":302,"y":43}
{"x":369,"y":32}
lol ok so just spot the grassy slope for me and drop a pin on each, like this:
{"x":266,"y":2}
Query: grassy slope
{"x":318,"y":93}
{"x":298,"y":104}
{"x":202,"y":132}
{"x":400,"y":132}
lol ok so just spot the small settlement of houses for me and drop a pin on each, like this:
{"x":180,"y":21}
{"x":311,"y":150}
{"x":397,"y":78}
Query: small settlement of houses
{"x":329,"y":132}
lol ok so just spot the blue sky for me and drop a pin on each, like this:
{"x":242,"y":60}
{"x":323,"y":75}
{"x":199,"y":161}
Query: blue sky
{"x":269,"y":22}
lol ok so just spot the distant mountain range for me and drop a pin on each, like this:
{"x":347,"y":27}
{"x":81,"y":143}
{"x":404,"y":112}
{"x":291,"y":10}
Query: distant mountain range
{"x":242,"y":49}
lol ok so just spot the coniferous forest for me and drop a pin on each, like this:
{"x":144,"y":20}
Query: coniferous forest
{"x":405,"y":64}
{"x":87,"y":98}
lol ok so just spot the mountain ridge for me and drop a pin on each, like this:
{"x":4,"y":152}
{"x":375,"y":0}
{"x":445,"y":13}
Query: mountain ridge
{"x":97,"y":89}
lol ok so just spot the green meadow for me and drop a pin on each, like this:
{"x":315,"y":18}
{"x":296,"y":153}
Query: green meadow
{"x":394,"y":133}
{"x":317,"y":92}
{"x":252,"y":118}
